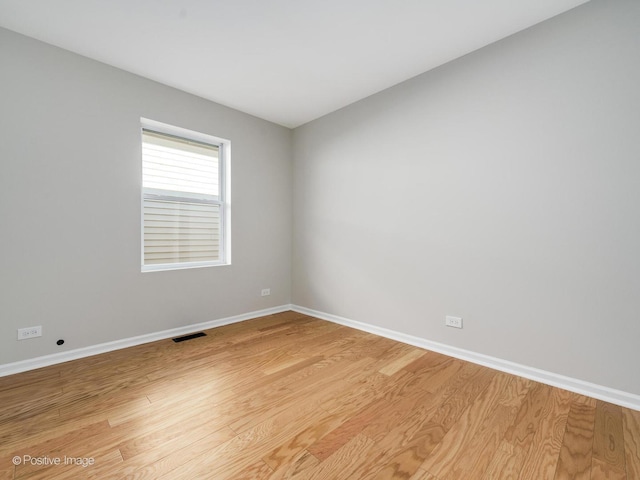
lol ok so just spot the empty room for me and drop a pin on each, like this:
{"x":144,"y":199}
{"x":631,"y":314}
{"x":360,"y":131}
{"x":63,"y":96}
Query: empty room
{"x":320,"y":239}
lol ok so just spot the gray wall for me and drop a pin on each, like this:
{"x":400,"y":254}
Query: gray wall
{"x":70,"y":205}
{"x":503,"y":187}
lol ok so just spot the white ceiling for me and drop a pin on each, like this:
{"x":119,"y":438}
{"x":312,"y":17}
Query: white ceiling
{"x":288,"y":61}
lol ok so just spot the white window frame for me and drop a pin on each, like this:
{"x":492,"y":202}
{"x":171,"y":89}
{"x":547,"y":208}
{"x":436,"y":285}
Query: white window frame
{"x":224,"y":157}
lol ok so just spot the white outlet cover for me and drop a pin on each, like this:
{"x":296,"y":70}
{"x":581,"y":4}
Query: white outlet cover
{"x":29,"y":332}
{"x":455,"y":322}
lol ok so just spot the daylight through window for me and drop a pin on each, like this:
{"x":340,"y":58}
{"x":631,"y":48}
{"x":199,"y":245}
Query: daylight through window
{"x":183,"y":201}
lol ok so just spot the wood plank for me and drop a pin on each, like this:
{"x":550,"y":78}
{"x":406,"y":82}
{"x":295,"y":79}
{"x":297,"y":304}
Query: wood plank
{"x":255,"y":471}
{"x":430,"y":361}
{"x":631,"y":425}
{"x":200,"y":456}
{"x":153,"y":466}
{"x":399,"y":394}
{"x":243,"y":449}
{"x":290,"y":449}
{"x":505,"y":463}
{"x":433,"y":376}
{"x":422,"y":475}
{"x":608,"y":442}
{"x":30,"y":379}
{"x":325,"y":384}
{"x":395,"y":365}
{"x":403,"y":458}
{"x":7,"y":468}
{"x":339,"y":409}
{"x":412,"y":409}
{"x":344,"y":463}
{"x":15,"y":433}
{"x":475,"y":435}
{"x":161,"y":442}
{"x":488,"y":439}
{"x":577,"y":444}
{"x":601,"y":470}
{"x":279,"y":363}
{"x":513,"y":451}
{"x":366,"y":391}
{"x":542,"y":458}
{"x":301,"y":462}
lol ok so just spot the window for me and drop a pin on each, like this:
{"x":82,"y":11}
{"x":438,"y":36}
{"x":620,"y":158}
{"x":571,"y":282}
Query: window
{"x":184,"y":207}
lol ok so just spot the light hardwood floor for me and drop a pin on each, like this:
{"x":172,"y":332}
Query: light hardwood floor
{"x":290,"y":396}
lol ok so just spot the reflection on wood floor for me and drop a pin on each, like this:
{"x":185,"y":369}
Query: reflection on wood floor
{"x":291,"y":396}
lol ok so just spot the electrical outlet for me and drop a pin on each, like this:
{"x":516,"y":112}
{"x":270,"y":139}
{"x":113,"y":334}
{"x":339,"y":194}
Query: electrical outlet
{"x":455,"y":322}
{"x":29,"y":332}
{"x":266,"y":292}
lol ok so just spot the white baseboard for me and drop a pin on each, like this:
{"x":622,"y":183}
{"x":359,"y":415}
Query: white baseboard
{"x":46,"y":360}
{"x":600,"y":392}
{"x":593,"y":390}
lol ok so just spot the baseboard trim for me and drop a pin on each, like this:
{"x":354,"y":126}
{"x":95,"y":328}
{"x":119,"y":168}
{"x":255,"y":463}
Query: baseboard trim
{"x":55,"y":358}
{"x":617,"y":397}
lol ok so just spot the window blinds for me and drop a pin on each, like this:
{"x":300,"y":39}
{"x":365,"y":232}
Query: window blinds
{"x":182,"y":203}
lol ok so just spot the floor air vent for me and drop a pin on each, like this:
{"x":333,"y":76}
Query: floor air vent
{"x":189,"y":337}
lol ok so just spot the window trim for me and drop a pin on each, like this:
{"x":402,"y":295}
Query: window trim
{"x":224,"y":197}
